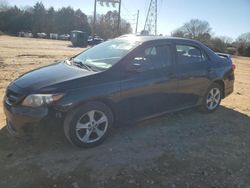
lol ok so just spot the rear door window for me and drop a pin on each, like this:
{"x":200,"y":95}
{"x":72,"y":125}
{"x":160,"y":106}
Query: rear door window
{"x":187,"y":54}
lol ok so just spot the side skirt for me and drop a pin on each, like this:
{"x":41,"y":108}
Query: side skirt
{"x":166,"y":112}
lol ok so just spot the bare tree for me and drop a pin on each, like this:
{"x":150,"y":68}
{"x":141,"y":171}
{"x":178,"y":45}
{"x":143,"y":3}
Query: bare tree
{"x":194,"y":29}
{"x":178,"y":33}
{"x":243,"y":43}
{"x":4,"y":5}
{"x":244,"y":38}
{"x":106,"y":24}
{"x":226,"y":39}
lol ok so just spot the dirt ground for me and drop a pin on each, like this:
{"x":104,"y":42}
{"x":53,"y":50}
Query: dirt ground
{"x":185,"y":149}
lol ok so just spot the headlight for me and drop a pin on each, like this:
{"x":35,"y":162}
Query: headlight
{"x":37,"y":100}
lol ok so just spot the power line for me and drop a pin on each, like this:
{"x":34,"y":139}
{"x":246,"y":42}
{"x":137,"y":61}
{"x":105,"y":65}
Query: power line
{"x":130,"y":16}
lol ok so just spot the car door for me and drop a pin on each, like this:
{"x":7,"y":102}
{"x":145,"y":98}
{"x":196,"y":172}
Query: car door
{"x":147,"y":82}
{"x":192,"y":73}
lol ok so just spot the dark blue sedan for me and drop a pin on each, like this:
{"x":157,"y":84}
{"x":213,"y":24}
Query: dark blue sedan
{"x":124,"y":79}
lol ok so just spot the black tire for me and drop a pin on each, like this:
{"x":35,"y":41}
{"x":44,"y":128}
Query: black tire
{"x":71,"y":120}
{"x":204,"y":106}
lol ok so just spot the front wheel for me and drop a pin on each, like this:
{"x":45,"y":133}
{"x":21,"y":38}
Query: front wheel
{"x":88,"y":125}
{"x":212,"y":98}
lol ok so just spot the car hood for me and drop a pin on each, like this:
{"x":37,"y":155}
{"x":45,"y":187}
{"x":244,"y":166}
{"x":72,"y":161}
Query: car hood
{"x":50,"y":75}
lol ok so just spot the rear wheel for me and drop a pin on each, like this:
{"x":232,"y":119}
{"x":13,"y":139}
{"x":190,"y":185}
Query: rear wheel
{"x":88,"y":125}
{"x":212,"y":99}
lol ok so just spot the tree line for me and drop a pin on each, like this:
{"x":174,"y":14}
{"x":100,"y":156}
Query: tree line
{"x":38,"y":19}
{"x":200,"y":30}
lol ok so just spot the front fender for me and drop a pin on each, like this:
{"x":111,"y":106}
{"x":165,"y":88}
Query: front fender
{"x":101,"y":92}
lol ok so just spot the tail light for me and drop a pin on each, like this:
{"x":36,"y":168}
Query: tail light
{"x":233,"y":67}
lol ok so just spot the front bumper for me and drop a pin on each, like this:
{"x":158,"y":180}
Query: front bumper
{"x":19,"y":117}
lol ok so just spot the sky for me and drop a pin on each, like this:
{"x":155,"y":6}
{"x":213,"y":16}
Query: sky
{"x":226,"y":17}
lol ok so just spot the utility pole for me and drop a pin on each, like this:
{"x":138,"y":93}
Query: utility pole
{"x":119,"y":18}
{"x":94,"y":22}
{"x":113,"y":2}
{"x":156,"y":12}
{"x":137,"y":21}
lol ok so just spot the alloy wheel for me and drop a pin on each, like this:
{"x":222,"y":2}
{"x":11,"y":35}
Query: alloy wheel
{"x":213,"y":98}
{"x":91,"y":126}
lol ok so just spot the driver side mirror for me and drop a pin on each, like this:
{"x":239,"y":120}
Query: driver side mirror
{"x":137,"y":65}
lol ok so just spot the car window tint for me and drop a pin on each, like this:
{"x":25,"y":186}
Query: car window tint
{"x":150,"y":51}
{"x":165,"y":52}
{"x":159,"y":56}
{"x":189,"y":54}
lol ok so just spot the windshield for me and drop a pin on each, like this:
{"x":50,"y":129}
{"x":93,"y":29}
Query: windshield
{"x":106,"y":54}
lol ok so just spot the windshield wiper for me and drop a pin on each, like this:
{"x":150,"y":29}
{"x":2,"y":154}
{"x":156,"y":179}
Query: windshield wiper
{"x":86,"y":67}
{"x":81,"y":65}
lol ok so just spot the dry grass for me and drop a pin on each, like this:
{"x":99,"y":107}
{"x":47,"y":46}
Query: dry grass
{"x":20,"y":55}
{"x":240,"y":99}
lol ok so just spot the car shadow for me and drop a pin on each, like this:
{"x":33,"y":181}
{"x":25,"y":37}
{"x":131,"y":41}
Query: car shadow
{"x":50,"y":135}
{"x":187,"y":139}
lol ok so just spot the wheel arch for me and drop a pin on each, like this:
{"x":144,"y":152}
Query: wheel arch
{"x":222,"y":84}
{"x":107,"y":102}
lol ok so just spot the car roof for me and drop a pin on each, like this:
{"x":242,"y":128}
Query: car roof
{"x":147,"y":38}
{"x":152,"y":38}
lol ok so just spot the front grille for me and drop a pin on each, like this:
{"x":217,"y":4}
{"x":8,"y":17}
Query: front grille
{"x":13,"y":97}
